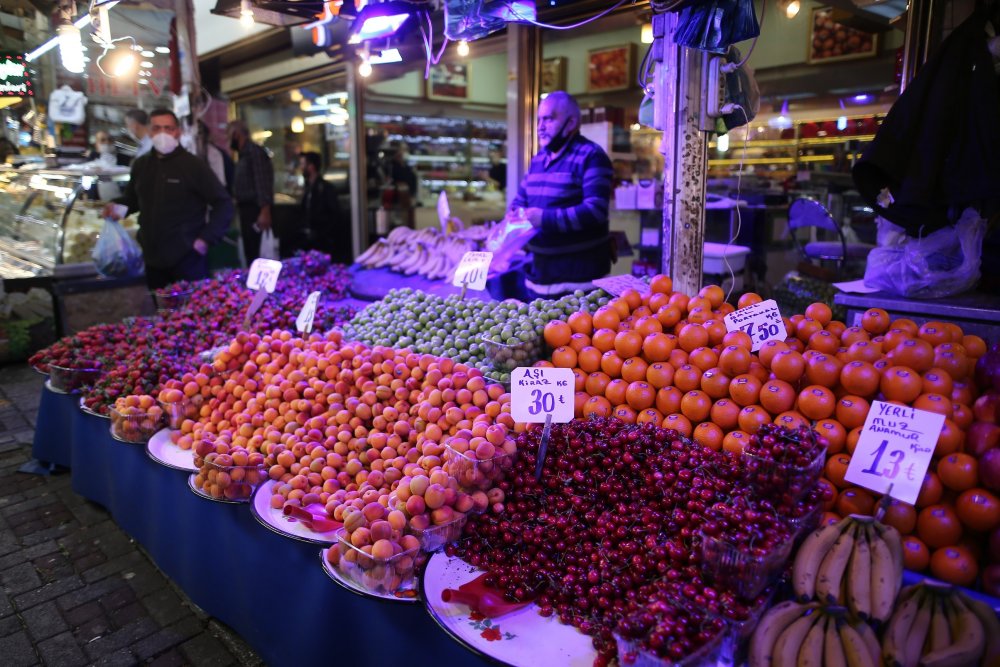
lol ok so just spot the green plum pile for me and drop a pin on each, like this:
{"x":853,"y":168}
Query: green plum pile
{"x":469,"y":332}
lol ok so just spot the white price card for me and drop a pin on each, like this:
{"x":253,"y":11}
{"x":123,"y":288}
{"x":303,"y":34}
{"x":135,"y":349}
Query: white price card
{"x":304,"y":322}
{"x":761,"y":321}
{"x":473,"y":270}
{"x":537,"y":393}
{"x":615,"y":285}
{"x":264,"y":273}
{"x":894,"y":450}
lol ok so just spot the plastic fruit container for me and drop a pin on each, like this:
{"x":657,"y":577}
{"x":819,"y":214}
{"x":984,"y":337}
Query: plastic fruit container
{"x":434,"y":538}
{"x":632,"y":654}
{"x":383,"y":576}
{"x":505,"y":358}
{"x":70,"y":380}
{"x":809,"y":521}
{"x":739,"y":569}
{"x":230,"y":482}
{"x":175,"y":413}
{"x":171,"y":299}
{"x":474,"y":473}
{"x":782,"y":480}
{"x":135,"y":425}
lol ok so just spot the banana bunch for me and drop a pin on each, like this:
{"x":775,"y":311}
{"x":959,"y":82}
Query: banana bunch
{"x":426,"y":252}
{"x":857,"y":563}
{"x":939,"y":626}
{"x":794,"y":634}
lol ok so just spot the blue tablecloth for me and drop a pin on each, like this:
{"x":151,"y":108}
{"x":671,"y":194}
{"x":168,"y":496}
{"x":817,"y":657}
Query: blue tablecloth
{"x":270,"y":589}
{"x":52,"y":435}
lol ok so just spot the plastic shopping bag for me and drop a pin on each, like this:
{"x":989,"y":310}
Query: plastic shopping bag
{"x":116,"y":253}
{"x":940,"y":264}
{"x":269,"y":245}
{"x":506,"y":239}
{"x":715,"y":25}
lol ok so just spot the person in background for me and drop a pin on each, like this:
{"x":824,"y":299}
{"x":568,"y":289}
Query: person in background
{"x":219,"y":160}
{"x":253,"y":188}
{"x":103,"y":146}
{"x":325,"y":227}
{"x":565,"y":195}
{"x":183,"y":208}
{"x":137,"y":126}
{"x":498,"y":170}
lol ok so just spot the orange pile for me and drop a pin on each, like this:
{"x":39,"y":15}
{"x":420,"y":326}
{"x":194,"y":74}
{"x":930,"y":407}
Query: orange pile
{"x":666,"y":358}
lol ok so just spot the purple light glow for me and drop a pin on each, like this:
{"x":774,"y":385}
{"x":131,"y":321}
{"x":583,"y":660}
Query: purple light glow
{"x":376,"y":27}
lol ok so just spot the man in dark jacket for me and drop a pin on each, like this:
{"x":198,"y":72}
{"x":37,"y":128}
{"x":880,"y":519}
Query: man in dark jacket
{"x":324,"y":227}
{"x":253,"y":188}
{"x":565,"y":196}
{"x":173,"y":191}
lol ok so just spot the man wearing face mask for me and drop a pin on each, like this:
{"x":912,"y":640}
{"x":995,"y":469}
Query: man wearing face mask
{"x":183,"y":208}
{"x":565,"y":196}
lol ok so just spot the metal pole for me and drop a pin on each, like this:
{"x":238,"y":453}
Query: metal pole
{"x":923,"y":27}
{"x":358,"y":180}
{"x":685,"y":155}
{"x":524,"y":76}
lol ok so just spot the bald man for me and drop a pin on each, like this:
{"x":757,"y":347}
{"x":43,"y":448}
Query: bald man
{"x":565,"y":195}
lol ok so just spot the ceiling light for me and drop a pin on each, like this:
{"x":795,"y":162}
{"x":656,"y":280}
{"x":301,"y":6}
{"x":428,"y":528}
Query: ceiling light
{"x":789,"y":7}
{"x":842,"y":123}
{"x":162,"y":49}
{"x":118,"y":62}
{"x":722,"y":143}
{"x":146,"y":53}
{"x":463,"y":48}
{"x":71,"y":48}
{"x":246,"y":14}
{"x":646,"y":34}
{"x":295,"y":95}
{"x":365,"y":68}
{"x":861,"y":99}
{"x":305,"y":105}
{"x":82,"y":22}
{"x":298,"y":125}
{"x":379,"y":21}
{"x":146,"y":63}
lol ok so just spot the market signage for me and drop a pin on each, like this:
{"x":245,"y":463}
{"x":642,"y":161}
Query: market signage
{"x":14,"y":78}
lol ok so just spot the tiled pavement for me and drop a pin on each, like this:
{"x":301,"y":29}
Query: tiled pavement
{"x":74,"y":589}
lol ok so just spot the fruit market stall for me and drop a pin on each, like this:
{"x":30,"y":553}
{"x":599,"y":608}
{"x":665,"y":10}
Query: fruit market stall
{"x":976,"y":312}
{"x":701,"y":505}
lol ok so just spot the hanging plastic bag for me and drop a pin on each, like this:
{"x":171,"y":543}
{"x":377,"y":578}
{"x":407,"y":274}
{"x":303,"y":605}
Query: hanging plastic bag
{"x":269,"y":248}
{"x":715,"y":25}
{"x":506,"y":239}
{"x":943,"y":263}
{"x":116,"y":254}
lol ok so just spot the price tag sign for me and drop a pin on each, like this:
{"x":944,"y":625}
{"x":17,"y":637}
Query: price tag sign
{"x":537,"y":393}
{"x":473,"y":270}
{"x":761,"y":321}
{"x":616,"y":285}
{"x":264,"y":273}
{"x":894,"y":450}
{"x":304,"y":322}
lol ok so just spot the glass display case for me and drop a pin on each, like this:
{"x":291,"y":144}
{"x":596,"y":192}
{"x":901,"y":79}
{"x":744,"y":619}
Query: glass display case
{"x":50,"y":220}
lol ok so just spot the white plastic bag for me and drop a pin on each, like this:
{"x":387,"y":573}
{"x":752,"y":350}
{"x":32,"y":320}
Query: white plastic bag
{"x":943,"y":263}
{"x":269,"y":245}
{"x":506,"y":239}
{"x":116,"y":253}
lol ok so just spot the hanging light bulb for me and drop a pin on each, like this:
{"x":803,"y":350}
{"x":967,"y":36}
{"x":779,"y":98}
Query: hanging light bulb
{"x":722,"y":143}
{"x":298,"y":125}
{"x":246,"y":14}
{"x":71,"y":48}
{"x":365,"y":68}
{"x":790,"y":7}
{"x":646,"y":34}
{"x":295,"y":95}
{"x":463,"y":48}
{"x":119,"y":62}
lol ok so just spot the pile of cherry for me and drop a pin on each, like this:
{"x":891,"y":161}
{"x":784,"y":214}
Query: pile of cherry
{"x":611,"y":536}
{"x":140,"y":356}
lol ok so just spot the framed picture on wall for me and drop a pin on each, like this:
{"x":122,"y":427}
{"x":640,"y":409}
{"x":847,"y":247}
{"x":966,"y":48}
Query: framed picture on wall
{"x":448,"y":81}
{"x":553,"y":74}
{"x":831,"y":42}
{"x":610,"y":68}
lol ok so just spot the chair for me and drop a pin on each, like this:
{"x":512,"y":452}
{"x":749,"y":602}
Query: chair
{"x":807,"y":212}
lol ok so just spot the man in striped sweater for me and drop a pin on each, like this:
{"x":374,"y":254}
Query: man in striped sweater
{"x":565,"y":196}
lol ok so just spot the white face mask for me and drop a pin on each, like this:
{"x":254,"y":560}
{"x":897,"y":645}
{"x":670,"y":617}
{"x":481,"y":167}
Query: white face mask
{"x":164,"y":143}
{"x":103,"y":148}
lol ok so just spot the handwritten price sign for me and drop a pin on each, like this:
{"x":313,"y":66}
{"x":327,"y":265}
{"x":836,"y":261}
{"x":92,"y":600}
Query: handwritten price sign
{"x":894,"y":450}
{"x":616,"y":285}
{"x":304,"y":322}
{"x":537,"y":393}
{"x":264,"y":273}
{"x":473,"y":270}
{"x":761,"y":321}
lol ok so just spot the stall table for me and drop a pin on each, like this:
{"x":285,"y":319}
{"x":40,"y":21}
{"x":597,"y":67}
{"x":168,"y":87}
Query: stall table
{"x":977,"y":313}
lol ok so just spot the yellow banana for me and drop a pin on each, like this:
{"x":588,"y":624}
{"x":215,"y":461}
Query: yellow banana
{"x":786,"y":649}
{"x":774,"y":622}
{"x":914,"y":645}
{"x":834,"y":566}
{"x":811,"y":653}
{"x":968,"y":639}
{"x":885,"y":578}
{"x":854,"y":647}
{"x":871,"y":642}
{"x":894,"y":640}
{"x":810,"y":557}
{"x":859,"y":575}
{"x":894,"y":541}
{"x":939,"y":636}
{"x":833,"y":647}
{"x":991,"y":626}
